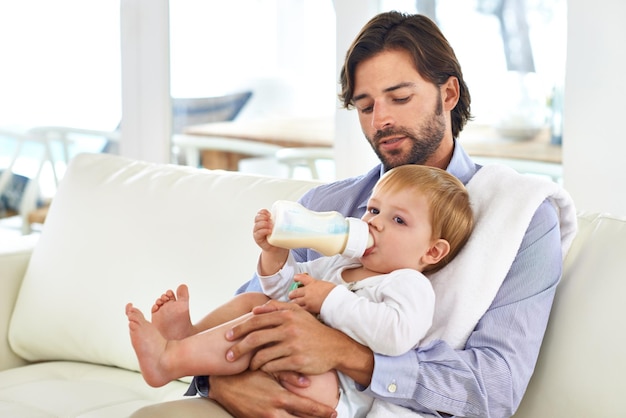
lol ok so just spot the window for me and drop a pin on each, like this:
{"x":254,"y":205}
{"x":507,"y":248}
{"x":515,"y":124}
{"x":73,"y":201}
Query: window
{"x":61,"y":67}
{"x":282,"y":50}
{"x":512,"y":53}
{"x":61,"y":63}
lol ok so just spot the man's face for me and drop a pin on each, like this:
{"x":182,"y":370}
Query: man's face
{"x":401,"y":114}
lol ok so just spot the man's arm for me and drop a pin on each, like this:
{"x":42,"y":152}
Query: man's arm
{"x":489,"y":377}
{"x":255,"y":394}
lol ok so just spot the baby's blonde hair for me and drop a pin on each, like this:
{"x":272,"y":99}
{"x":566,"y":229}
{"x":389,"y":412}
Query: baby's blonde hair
{"x":450,"y":211}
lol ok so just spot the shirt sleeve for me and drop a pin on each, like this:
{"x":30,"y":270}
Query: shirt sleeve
{"x":276,"y":286}
{"x":489,"y":376}
{"x":390,"y":317}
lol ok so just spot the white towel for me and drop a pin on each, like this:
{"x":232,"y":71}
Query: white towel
{"x":504,"y":203}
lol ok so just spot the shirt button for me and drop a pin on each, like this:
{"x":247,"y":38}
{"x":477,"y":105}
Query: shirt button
{"x":392,"y":388}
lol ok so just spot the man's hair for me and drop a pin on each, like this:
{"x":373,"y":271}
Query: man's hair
{"x":433,"y":56}
{"x":449,"y":207}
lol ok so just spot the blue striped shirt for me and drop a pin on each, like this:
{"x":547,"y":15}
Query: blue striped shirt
{"x":489,"y":376}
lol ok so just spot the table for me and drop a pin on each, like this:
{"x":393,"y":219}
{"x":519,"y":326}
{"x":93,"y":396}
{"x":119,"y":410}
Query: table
{"x":279,"y":132}
{"x":485,"y":141}
{"x":478,"y":140}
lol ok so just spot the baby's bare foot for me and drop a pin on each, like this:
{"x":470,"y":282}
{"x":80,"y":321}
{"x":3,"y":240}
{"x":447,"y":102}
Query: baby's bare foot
{"x":163,"y":299}
{"x":170,"y":314}
{"x":150,"y":347}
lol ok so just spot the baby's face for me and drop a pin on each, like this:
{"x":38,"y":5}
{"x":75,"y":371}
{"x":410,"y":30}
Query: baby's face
{"x":400,"y":225}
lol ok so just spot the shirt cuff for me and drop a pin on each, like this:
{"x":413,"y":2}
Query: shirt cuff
{"x":395,"y":377}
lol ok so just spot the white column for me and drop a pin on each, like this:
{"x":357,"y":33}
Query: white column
{"x":146,"y":107}
{"x":353,"y":154}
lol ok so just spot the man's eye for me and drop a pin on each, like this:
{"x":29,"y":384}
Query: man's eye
{"x":366,"y":109}
{"x":402,"y":99}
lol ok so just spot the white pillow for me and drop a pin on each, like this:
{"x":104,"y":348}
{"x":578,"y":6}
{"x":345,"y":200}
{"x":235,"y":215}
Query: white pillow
{"x":123,"y":231}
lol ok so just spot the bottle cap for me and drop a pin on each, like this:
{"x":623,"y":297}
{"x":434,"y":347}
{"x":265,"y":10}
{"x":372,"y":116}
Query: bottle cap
{"x":359,"y":238}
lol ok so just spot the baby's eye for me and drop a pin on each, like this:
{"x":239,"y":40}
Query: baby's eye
{"x":399,"y":220}
{"x":373,"y":211}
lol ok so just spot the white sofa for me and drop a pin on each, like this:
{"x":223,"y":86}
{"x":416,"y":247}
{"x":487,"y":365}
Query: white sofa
{"x":121,"y":230}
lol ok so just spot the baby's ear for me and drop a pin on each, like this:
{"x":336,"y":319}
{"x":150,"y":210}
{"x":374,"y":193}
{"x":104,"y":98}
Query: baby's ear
{"x":437,"y":251}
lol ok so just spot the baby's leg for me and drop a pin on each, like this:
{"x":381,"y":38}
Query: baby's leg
{"x":170,"y":313}
{"x":235,"y":307}
{"x":162,"y":361}
{"x":324,"y":388}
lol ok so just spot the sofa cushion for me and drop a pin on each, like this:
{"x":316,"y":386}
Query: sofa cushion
{"x":581,"y":361}
{"x":123,"y":231}
{"x":70,"y":389}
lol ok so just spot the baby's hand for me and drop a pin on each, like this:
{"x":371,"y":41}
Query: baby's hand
{"x":262,"y":229}
{"x":272,"y":258}
{"x":311,"y":294}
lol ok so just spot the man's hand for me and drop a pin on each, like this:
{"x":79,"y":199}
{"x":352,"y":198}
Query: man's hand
{"x":285,"y":337}
{"x":257,"y":394}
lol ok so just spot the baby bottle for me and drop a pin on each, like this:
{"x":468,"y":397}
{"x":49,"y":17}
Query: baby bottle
{"x":328,"y":233}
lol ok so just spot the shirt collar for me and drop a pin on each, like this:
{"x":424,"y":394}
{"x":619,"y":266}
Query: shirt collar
{"x":461,"y":166}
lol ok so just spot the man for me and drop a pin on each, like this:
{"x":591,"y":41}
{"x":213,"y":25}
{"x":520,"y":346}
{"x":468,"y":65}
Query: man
{"x":403,"y":78}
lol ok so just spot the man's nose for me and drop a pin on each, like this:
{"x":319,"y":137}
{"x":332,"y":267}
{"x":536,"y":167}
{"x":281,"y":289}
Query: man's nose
{"x":382,"y":117}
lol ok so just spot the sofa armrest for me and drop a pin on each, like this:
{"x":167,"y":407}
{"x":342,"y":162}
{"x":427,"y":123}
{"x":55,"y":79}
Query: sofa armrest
{"x":14,"y":257}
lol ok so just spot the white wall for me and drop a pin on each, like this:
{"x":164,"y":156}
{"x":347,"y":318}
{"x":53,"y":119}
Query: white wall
{"x":594,"y":142}
{"x":146,"y":108}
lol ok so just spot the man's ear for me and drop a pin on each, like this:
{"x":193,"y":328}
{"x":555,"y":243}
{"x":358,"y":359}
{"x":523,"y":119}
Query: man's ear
{"x":450,"y":93}
{"x":436,"y":252}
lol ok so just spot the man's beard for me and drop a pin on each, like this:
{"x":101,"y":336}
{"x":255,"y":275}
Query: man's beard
{"x":425,"y":141}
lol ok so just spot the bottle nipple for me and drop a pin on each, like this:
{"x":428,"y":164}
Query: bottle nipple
{"x":359,"y":238}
